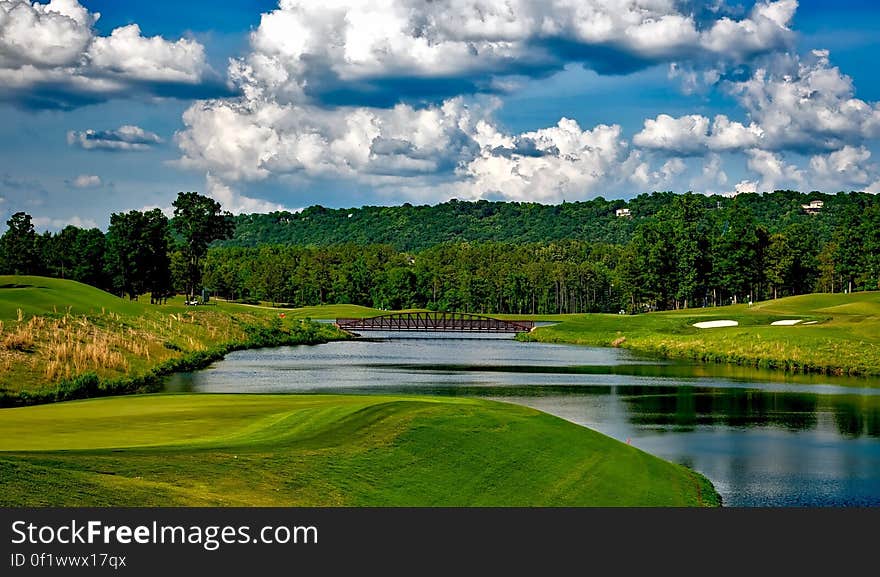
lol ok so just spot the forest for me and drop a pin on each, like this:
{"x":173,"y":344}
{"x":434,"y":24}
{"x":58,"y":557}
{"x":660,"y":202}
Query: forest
{"x":671,"y":251}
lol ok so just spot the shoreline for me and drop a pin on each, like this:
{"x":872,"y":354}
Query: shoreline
{"x":89,"y":385}
{"x":676,"y":350}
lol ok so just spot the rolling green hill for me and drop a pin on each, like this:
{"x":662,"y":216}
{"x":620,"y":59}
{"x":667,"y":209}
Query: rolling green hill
{"x":62,"y":339}
{"x":39,"y":295}
{"x":414,"y":228}
{"x":323,"y":450}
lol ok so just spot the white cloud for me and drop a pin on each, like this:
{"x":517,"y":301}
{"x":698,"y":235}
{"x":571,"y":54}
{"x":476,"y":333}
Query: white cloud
{"x":316,"y":86}
{"x":767,"y":27}
{"x":252,"y":140}
{"x":806,"y":105}
{"x":847,"y":168}
{"x":567,"y":163}
{"x":712,"y":178}
{"x":746,"y":186}
{"x":324,"y":48}
{"x":48,"y":223}
{"x":44,"y":35}
{"x":129,"y":55}
{"x":234,"y":202}
{"x":692,"y":135}
{"x":85,"y":181}
{"x":774,"y":173}
{"x":166,"y":210}
{"x":127,"y":137}
{"x":51,"y":56}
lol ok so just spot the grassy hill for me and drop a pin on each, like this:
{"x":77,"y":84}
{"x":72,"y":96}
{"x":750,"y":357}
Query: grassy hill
{"x":838,"y":333}
{"x":322,"y":450}
{"x":58,"y":337}
{"x":37,"y":295}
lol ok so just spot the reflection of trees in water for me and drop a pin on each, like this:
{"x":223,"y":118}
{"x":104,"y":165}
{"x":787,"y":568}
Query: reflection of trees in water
{"x":860,"y":416}
{"x":688,"y":407}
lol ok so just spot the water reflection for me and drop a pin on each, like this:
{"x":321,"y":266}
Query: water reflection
{"x":687,"y":407}
{"x":763,"y":438}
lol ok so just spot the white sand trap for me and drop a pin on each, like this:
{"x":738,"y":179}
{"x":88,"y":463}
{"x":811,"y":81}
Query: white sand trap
{"x":785,"y":323}
{"x":715,"y":324}
{"x":811,"y":322}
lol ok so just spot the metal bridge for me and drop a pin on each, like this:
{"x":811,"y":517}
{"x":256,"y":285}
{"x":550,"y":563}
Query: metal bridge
{"x":435,"y":322}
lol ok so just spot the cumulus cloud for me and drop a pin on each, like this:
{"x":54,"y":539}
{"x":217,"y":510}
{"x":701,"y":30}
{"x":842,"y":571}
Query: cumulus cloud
{"x":792,"y":103}
{"x":127,"y":137}
{"x":576,"y":163}
{"x":308,"y":57}
{"x":774,"y":172}
{"x":51,"y":56}
{"x":746,"y":186}
{"x":847,"y":168}
{"x":353,"y":52}
{"x":127,"y":54}
{"x":385,"y":94}
{"x":233,"y":201}
{"x":85,"y":181}
{"x":693,"y":135}
{"x":251,"y":140}
{"x":806,"y":105}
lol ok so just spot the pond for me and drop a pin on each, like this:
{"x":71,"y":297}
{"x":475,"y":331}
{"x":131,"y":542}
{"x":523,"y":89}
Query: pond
{"x":764,"y":438}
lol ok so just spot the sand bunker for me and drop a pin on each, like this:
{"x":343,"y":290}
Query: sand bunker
{"x":811,"y":322}
{"x":714,"y":324}
{"x":785,"y":323}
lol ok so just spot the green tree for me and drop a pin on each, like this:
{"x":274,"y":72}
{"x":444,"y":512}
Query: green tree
{"x":199,"y":221}
{"x":137,"y":259}
{"x":739,"y":252}
{"x":19,"y":245}
{"x":156,"y":261}
{"x":779,"y":261}
{"x":125,"y":247}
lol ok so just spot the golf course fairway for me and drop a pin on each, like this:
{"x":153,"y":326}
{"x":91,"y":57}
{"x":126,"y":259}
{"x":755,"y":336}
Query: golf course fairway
{"x":322,"y":450}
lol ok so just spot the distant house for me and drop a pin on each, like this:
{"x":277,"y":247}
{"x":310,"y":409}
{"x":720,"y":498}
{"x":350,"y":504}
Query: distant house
{"x":622,"y":212}
{"x":814,"y":207}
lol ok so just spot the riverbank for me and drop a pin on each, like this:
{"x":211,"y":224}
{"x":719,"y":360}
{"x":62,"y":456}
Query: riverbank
{"x":62,"y":340}
{"x":323,"y":450}
{"x":837,"y":334}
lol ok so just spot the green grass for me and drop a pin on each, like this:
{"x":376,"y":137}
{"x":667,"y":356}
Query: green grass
{"x":322,"y":450}
{"x":35,"y":295}
{"x":324,"y":311}
{"x":845,"y":338}
{"x":56,"y":331}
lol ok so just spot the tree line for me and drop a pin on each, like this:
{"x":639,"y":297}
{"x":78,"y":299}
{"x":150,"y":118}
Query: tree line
{"x":686,"y":254}
{"x":142,"y":251}
{"x":415,"y":228}
{"x":674,"y":251}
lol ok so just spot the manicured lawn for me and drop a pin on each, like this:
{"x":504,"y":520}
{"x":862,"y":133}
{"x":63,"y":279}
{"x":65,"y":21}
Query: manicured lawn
{"x":316,"y":450}
{"x":843,"y":337}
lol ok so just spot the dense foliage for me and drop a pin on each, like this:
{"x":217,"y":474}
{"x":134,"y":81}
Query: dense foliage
{"x":684,"y":250}
{"x":414,"y":228}
{"x":671,"y":251}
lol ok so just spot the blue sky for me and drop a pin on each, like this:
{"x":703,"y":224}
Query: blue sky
{"x":267,"y":106}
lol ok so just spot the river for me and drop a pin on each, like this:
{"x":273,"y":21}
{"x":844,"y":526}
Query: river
{"x":763,"y":438}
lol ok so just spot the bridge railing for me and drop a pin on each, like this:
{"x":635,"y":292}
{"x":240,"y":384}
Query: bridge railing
{"x":432,"y":321}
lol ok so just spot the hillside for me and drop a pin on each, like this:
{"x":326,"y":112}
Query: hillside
{"x":61,"y":339}
{"x":414,"y":228}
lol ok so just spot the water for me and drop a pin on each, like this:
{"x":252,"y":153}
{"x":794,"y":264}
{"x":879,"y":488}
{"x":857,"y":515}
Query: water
{"x":763,"y":438}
